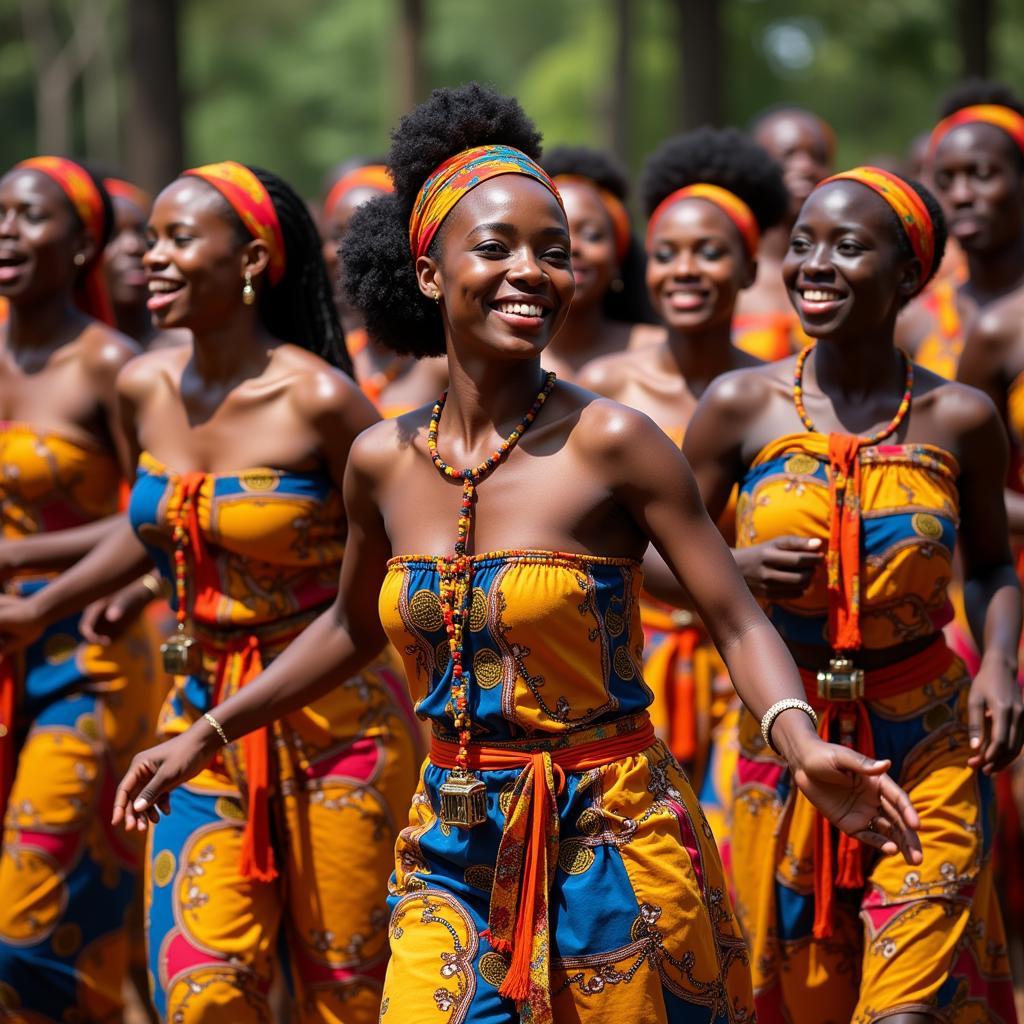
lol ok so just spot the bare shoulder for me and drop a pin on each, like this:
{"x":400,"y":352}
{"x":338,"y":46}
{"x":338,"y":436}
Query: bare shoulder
{"x":608,"y":375}
{"x":606,"y":429}
{"x":960,"y":406}
{"x":315,"y":385}
{"x":740,"y":394}
{"x":385,"y":447}
{"x":105,"y":350}
{"x":998,"y":330}
{"x":642,"y":335}
{"x":138,"y":376}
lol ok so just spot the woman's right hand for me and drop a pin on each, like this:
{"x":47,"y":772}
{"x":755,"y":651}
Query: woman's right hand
{"x":20,"y":623}
{"x":145,"y":790}
{"x":781,"y":568}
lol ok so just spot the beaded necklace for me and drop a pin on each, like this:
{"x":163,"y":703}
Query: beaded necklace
{"x":463,"y":796}
{"x":879,"y":435}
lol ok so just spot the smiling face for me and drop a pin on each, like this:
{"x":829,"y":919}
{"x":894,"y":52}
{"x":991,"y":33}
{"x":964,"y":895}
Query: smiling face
{"x":798,"y":141}
{"x":844,"y":270}
{"x":978,"y":176}
{"x":196,"y":260}
{"x":40,"y":237}
{"x":696,"y":267}
{"x":501,"y":263}
{"x":594,"y":260}
{"x":122,"y":258}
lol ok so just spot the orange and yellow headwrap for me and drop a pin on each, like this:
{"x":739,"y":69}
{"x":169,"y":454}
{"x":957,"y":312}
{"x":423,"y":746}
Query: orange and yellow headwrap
{"x":728,"y":202}
{"x":375,"y":176}
{"x":88,"y":203}
{"x":908,"y":206}
{"x":613,"y":206}
{"x":251,"y":201}
{"x":121,"y":189}
{"x":984,"y":113}
{"x":457,"y":176}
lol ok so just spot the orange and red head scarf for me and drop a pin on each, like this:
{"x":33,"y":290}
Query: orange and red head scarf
{"x":728,"y":202}
{"x":371,"y":176}
{"x":908,"y":206}
{"x":118,"y":188}
{"x":251,"y":201}
{"x":457,"y":176}
{"x":980,"y":113}
{"x":90,"y":205}
{"x":613,"y":206}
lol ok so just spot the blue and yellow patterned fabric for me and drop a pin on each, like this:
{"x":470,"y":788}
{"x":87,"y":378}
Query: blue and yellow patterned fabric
{"x":640,"y":921}
{"x":264,"y":564}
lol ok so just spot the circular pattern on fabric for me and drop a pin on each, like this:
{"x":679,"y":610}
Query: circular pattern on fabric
{"x":480,"y":876}
{"x":67,"y":939}
{"x":927,"y":526}
{"x":260,"y":480}
{"x":425,"y":611}
{"x":87,"y":726}
{"x":487,"y":669}
{"x":493,"y":967}
{"x":229,"y":809}
{"x":589,"y":822}
{"x":802,"y":464}
{"x":615,"y":623}
{"x":163,"y":868}
{"x":478,"y":610}
{"x":442,"y":656}
{"x":59,"y":648}
{"x":574,"y":857}
{"x":623,"y":664}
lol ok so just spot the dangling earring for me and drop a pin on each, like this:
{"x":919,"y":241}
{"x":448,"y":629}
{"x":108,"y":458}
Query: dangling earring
{"x":436,"y":296}
{"x":248,"y":292}
{"x":79,"y":259}
{"x":617,"y":284}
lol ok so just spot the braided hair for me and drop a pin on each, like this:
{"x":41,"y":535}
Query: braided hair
{"x":378,"y":271}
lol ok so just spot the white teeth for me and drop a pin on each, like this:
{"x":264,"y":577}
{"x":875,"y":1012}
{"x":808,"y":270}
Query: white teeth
{"x":158,"y":287}
{"x":520,"y":309}
{"x":817,"y":295}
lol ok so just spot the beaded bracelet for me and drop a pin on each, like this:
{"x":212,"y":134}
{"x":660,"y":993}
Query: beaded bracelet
{"x":776,"y":709}
{"x":216,"y":725}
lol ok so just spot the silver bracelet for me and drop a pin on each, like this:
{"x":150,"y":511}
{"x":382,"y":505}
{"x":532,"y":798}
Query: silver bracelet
{"x":776,"y":709}
{"x":216,"y":725}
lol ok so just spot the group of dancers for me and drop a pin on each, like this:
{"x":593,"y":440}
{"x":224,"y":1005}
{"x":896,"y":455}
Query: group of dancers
{"x":660,"y":669}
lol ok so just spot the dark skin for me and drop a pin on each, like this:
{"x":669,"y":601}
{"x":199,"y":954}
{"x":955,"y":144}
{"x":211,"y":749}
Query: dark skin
{"x":798,"y":141}
{"x":507,"y":241}
{"x":587,"y":333}
{"x":235,"y":399}
{"x":57,"y":366}
{"x":417,"y":381}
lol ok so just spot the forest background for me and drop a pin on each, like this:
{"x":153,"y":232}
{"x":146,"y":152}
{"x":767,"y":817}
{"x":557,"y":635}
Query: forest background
{"x":150,"y":86}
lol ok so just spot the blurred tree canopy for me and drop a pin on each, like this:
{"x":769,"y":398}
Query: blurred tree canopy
{"x":300,"y":86}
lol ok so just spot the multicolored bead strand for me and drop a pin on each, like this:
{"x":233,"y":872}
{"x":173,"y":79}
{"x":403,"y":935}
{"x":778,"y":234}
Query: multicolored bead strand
{"x":456,"y":573}
{"x":879,"y":435}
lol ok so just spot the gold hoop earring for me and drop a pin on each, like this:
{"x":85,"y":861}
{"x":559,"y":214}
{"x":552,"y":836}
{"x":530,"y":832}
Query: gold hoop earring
{"x":617,"y":284}
{"x":79,"y":259}
{"x":248,"y":292}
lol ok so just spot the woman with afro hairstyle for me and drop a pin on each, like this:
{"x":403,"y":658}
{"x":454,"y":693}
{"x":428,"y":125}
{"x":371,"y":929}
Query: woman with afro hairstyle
{"x":71,"y":712}
{"x":804,"y":146}
{"x":241,"y":440}
{"x":607,"y":263}
{"x":858,"y":474}
{"x":556,"y":865}
{"x":394,"y":383}
{"x":709,"y":195}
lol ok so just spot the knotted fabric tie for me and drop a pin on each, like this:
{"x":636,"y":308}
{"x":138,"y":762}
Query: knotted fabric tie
{"x":843,"y":557}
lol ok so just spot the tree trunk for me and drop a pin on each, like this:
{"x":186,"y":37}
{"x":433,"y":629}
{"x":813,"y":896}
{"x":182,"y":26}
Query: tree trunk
{"x":974,"y":27}
{"x":155,"y":150}
{"x":53,"y":78}
{"x":620,"y":101}
{"x":99,"y":82}
{"x":410,"y":54}
{"x":702,"y":73}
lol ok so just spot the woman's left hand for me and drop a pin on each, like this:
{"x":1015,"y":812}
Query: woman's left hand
{"x":859,"y":798}
{"x":995,"y":717}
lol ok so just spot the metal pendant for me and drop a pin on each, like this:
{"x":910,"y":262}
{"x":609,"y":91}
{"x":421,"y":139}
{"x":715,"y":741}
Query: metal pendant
{"x":463,"y":799}
{"x":180,"y":653}
{"x":842,"y":682}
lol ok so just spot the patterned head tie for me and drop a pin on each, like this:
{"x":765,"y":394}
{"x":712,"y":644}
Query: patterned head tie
{"x":457,"y":176}
{"x":118,"y":188}
{"x":372,"y":176}
{"x":728,"y":202}
{"x":251,"y":201}
{"x":980,"y":113}
{"x":908,"y":206}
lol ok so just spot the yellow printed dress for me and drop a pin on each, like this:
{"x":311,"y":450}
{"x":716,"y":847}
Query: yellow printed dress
{"x":238,"y":862}
{"x":940,"y":349}
{"x":631,"y":919}
{"x":71,"y":717}
{"x":925,"y":939}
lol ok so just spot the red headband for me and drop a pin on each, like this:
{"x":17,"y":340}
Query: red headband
{"x":613,"y":206}
{"x":728,"y":202}
{"x":372,"y":176}
{"x":251,"y":201}
{"x":87,"y":201}
{"x":121,"y":189}
{"x":908,"y":206}
{"x":981,"y":113}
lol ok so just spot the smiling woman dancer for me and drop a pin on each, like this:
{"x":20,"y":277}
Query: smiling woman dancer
{"x":556,"y":865}
{"x":887,"y":466}
{"x":70,"y":712}
{"x":241,"y":441}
